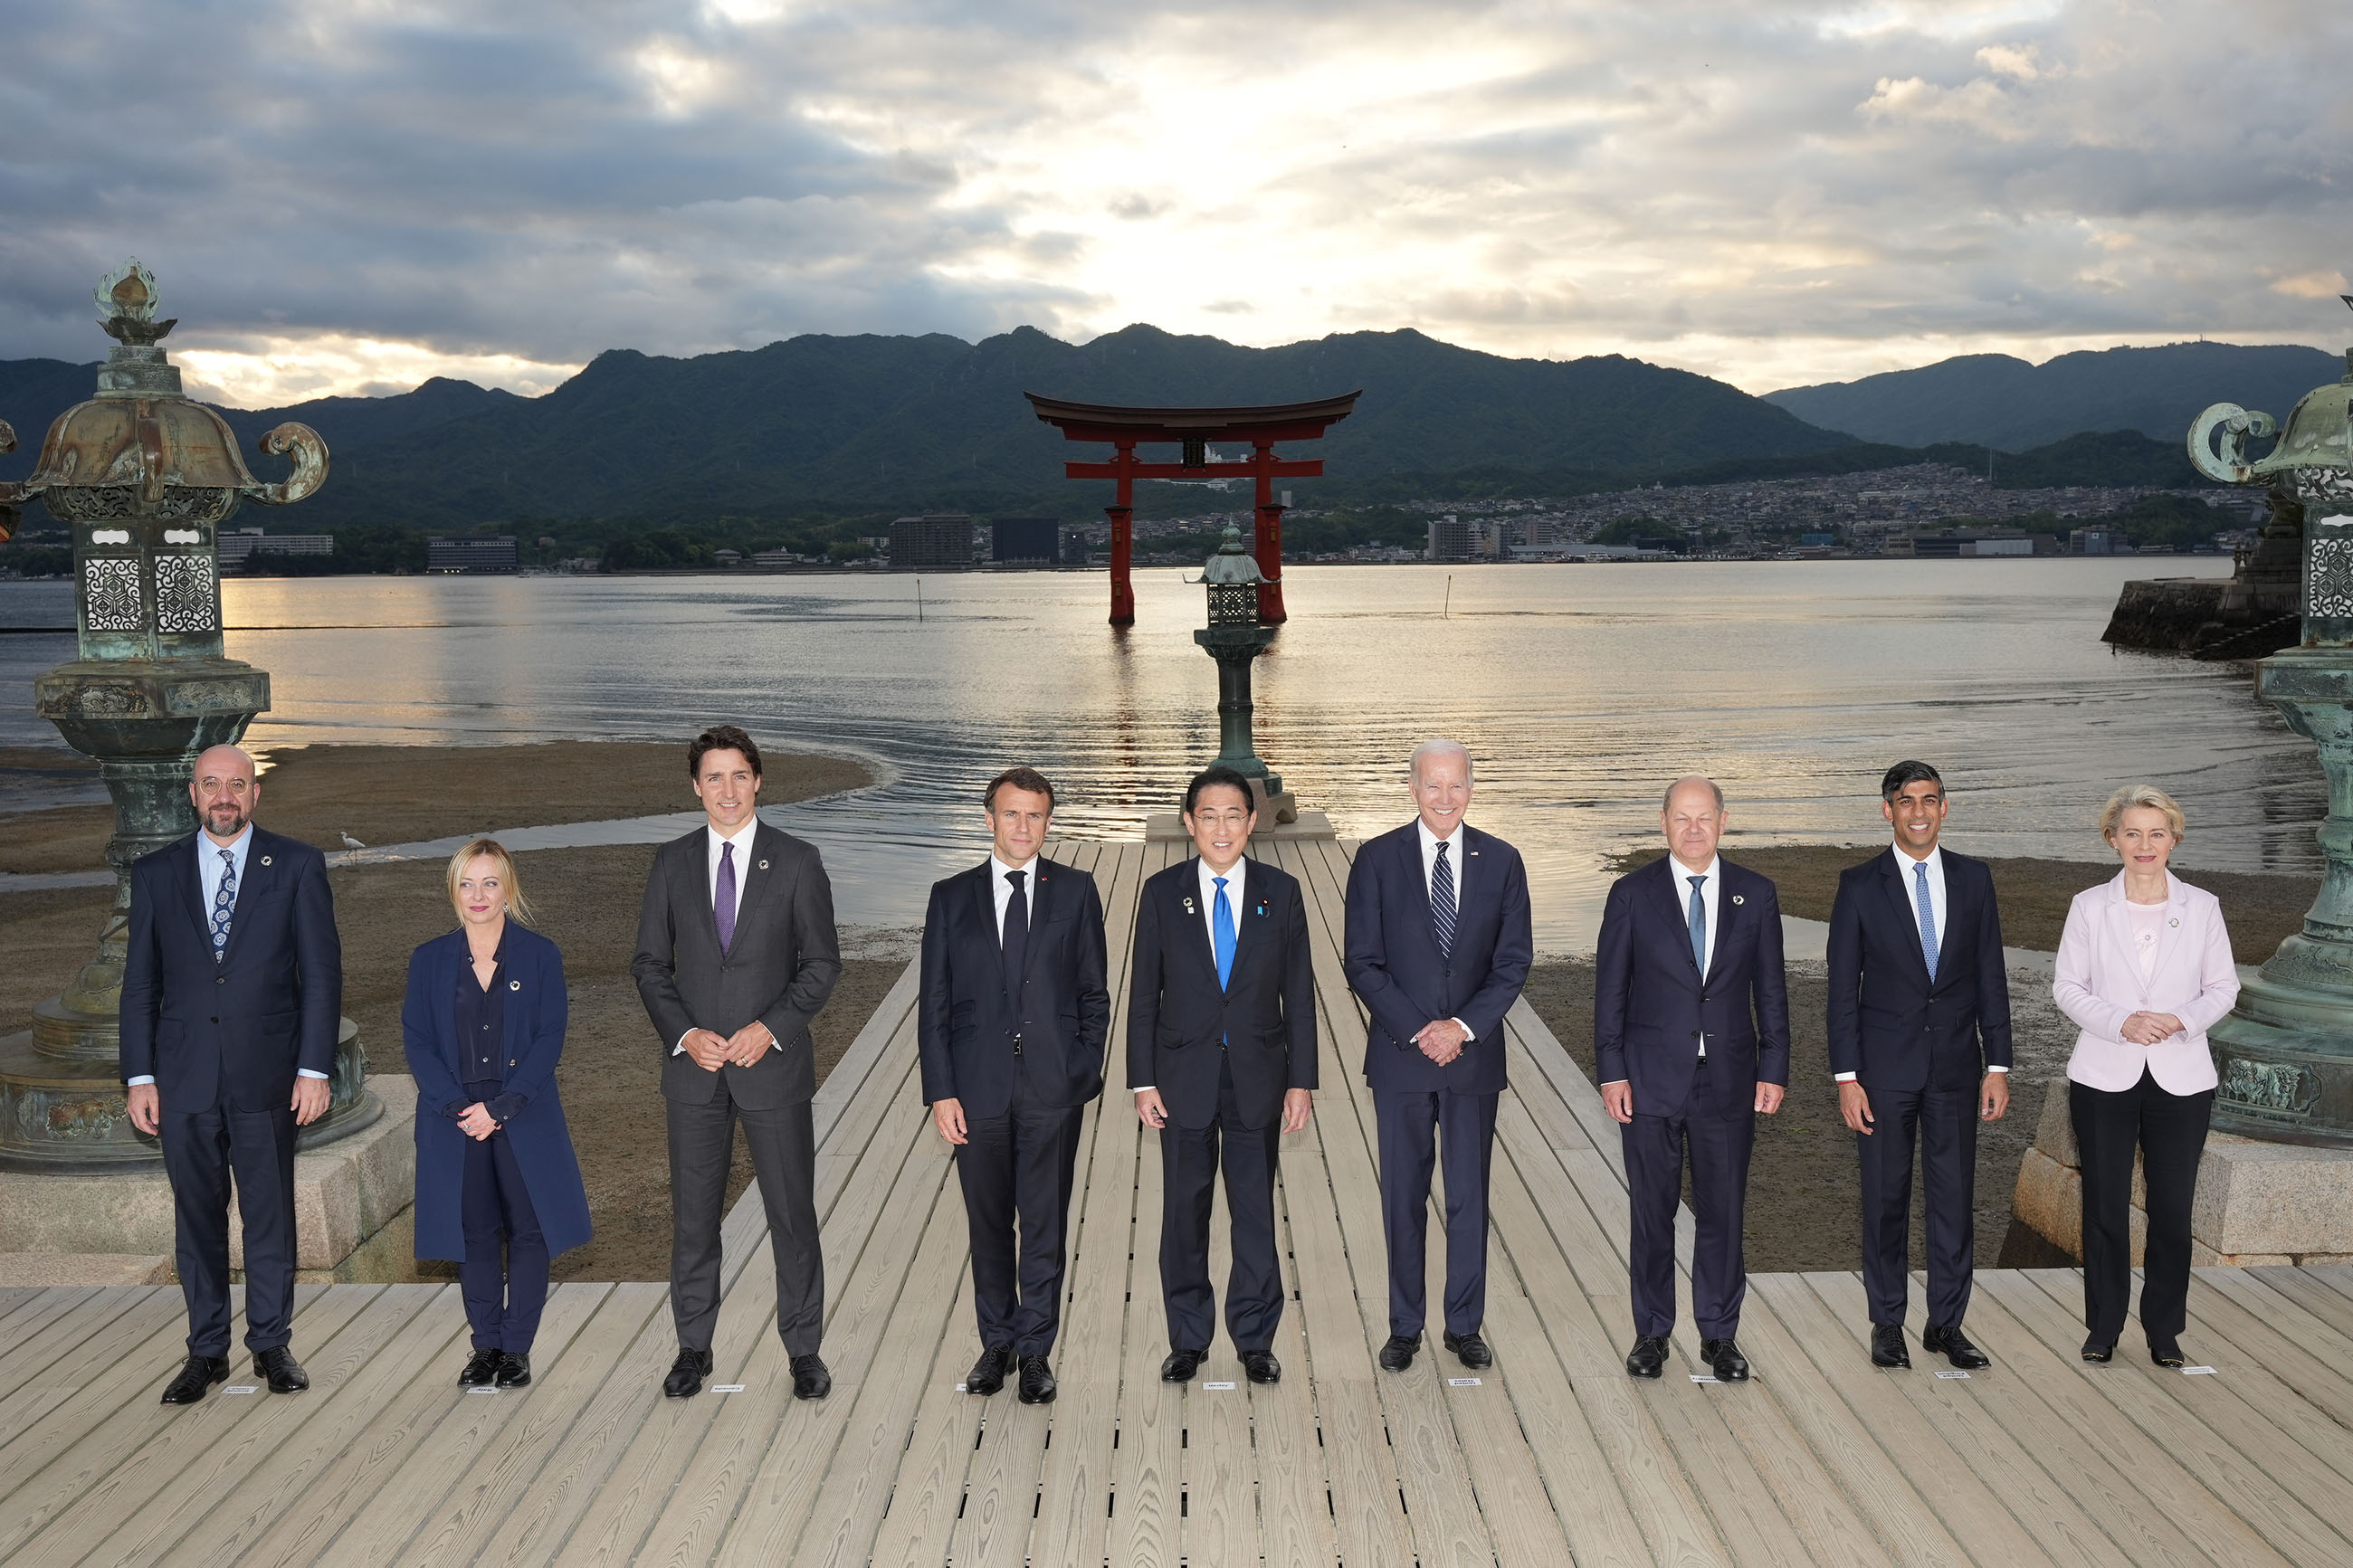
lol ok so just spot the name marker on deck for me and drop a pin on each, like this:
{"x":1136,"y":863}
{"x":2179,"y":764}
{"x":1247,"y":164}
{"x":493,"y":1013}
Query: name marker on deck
{"x":1952,"y":1374}
{"x":483,"y":1390}
{"x":1704,"y":1377}
{"x":1462,"y":1383}
{"x":735,"y":1388}
{"x":1216,"y":1385}
{"x":2198,"y":1372}
{"x":241,"y":1388}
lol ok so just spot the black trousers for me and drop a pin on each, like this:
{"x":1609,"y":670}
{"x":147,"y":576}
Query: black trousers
{"x":1718,"y":1147}
{"x":1015,"y":1171}
{"x":783,"y":1142}
{"x":1416,"y":1131}
{"x":503,"y":1278}
{"x":201,"y":1148}
{"x":1190,"y":1159}
{"x":1943,"y":1124}
{"x":2169,"y":1132}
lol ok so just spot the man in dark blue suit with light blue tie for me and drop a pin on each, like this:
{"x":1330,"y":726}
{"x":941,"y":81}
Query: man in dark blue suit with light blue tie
{"x":1690,"y":1033}
{"x":1438,"y":945}
{"x":1919,"y":1035}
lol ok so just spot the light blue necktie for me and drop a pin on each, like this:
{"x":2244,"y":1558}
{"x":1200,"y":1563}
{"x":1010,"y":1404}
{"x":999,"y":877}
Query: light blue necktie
{"x":1221,"y":925}
{"x":224,"y":903}
{"x":1927,"y":916}
{"x":1698,"y":922}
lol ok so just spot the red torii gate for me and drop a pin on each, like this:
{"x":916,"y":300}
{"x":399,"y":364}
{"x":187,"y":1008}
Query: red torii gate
{"x":1193,"y":430}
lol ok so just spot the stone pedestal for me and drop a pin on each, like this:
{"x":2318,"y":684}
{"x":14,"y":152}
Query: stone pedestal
{"x":2258,"y":1202}
{"x":345,"y":1192}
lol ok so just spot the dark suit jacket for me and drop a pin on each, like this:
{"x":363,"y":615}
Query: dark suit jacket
{"x":1393,"y":965}
{"x":232,"y":1033}
{"x":1265,"y":1017}
{"x":537,"y":1008}
{"x":780,"y":970}
{"x":1887,"y":1024}
{"x":966,"y":1023}
{"x":1651,"y":1005}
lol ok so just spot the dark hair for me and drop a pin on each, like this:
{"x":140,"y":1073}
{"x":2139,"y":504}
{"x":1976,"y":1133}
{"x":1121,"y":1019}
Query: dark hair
{"x":1903,"y":773}
{"x":1029,"y":779}
{"x":1211,"y":777}
{"x":721,"y":738}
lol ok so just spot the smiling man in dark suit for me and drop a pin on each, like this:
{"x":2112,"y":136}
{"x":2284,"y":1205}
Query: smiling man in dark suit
{"x":1221,"y":1059}
{"x":1010,"y":1024}
{"x":1919,"y":1033}
{"x":736,"y":952}
{"x":1690,"y":1033}
{"x":232,"y":996}
{"x":1439,"y":945}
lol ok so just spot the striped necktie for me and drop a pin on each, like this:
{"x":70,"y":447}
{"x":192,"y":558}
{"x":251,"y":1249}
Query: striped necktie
{"x":1441,"y":902}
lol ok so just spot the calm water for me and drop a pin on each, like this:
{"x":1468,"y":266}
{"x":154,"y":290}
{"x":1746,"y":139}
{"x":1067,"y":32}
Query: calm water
{"x":1580,"y":689}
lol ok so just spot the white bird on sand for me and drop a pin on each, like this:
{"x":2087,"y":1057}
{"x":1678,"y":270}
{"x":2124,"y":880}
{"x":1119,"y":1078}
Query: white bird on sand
{"x":350,"y":842}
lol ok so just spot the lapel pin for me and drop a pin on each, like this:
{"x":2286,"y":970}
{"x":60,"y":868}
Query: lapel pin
{"x":763,"y":864}
{"x":1188,"y":906}
{"x":515,"y":985}
{"x":2175,"y":921}
{"x":265,"y":859}
{"x":1738,"y":899}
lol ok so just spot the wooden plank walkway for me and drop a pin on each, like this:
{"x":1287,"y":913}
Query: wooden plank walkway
{"x":1554,"y":1456}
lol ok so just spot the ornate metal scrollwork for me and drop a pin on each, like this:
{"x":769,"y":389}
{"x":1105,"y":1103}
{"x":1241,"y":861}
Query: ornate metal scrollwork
{"x":2233,"y":424}
{"x":309,"y":464}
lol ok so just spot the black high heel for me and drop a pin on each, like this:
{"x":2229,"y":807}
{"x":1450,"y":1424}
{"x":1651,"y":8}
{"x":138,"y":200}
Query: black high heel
{"x":2097,"y":1351}
{"x":2169,"y":1353}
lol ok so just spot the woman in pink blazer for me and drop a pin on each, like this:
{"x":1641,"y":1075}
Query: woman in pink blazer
{"x":2143,"y":969}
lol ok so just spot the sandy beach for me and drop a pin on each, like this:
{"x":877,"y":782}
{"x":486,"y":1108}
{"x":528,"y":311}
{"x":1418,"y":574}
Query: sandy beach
{"x":587,"y":899}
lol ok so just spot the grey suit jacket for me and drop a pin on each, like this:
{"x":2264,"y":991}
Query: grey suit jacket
{"x":780,"y":970}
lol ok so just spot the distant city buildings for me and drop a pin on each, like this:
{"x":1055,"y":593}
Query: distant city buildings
{"x":935,"y":542}
{"x":1036,"y":541}
{"x":1957,"y":543}
{"x":2098,"y":541}
{"x":471,"y":555}
{"x":235,"y":547}
{"x":1452,"y":539}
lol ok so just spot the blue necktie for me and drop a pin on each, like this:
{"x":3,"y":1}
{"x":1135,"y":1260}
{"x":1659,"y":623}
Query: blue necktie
{"x":1927,"y":916}
{"x":1441,"y":904}
{"x":1698,"y":922}
{"x":224,"y":902}
{"x":1221,"y":925}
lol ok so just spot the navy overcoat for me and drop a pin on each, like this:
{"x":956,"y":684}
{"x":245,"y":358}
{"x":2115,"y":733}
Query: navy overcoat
{"x":535,"y":1009}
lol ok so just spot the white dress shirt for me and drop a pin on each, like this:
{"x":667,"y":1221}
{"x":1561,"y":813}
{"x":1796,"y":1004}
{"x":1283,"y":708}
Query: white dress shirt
{"x":1936,"y":911}
{"x":712,"y":839}
{"x":1003,"y":890}
{"x":1711,"y":888}
{"x":208,"y":876}
{"x":1429,"y":843}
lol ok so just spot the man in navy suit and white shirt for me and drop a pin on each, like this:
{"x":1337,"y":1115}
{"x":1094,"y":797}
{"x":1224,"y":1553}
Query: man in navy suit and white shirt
{"x":1919,"y":1035}
{"x":1690,"y":1033}
{"x":232,"y":997}
{"x":1439,"y":942}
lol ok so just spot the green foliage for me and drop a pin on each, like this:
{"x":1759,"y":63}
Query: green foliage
{"x":1627,"y":530}
{"x":666,"y":548}
{"x":37,"y":560}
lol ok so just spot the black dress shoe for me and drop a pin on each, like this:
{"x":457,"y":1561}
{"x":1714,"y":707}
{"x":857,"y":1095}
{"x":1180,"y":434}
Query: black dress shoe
{"x":1649,"y":1356}
{"x":987,"y":1374}
{"x":1261,"y":1366}
{"x":810,"y":1378}
{"x":190,"y":1383}
{"x":480,"y":1368}
{"x":514,"y":1371}
{"x":1037,"y":1381}
{"x":1955,"y":1346}
{"x":285,"y":1374}
{"x":1723,"y":1358}
{"x":2167,"y":1352}
{"x":1398,"y":1353}
{"x":1470,"y":1351}
{"x":1181,"y":1365}
{"x":2101,"y":1352}
{"x":1887,"y":1346}
{"x":686,"y":1375}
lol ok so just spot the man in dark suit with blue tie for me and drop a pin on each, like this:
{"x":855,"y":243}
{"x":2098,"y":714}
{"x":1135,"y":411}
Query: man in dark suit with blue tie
{"x":1919,"y":1036}
{"x":1010,"y":1022}
{"x":1439,"y":941}
{"x":1690,"y":1033}
{"x":1221,"y":1059}
{"x":232,"y":997}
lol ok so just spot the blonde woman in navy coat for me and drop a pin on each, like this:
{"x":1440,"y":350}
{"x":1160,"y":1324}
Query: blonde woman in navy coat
{"x":498,"y":1187}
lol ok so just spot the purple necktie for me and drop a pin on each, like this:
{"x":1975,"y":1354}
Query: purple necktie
{"x":722,"y":899}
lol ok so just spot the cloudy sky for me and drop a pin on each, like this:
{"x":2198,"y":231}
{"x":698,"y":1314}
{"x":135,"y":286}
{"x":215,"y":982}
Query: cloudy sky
{"x":349,"y":197}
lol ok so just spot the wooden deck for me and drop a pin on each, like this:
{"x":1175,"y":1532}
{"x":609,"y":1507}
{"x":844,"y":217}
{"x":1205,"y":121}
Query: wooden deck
{"x":1552,"y":1456}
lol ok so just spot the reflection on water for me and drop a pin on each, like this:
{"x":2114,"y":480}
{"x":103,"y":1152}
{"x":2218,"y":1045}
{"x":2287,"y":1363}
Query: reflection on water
{"x":1581,"y":690}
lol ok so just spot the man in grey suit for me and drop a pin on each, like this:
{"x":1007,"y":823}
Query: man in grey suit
{"x":735,"y":954}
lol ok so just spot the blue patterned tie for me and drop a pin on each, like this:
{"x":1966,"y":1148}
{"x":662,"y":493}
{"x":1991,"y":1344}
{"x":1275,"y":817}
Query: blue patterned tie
{"x":1221,"y":923}
{"x":1927,"y":916}
{"x":1441,"y":902}
{"x":1698,"y":922}
{"x":224,"y":902}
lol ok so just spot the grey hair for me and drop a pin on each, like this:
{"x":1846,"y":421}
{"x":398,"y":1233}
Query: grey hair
{"x":1667,"y":801}
{"x":2149,"y":796}
{"x":1440,"y":749}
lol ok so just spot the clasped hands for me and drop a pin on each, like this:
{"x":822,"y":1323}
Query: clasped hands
{"x":2150,"y":1028}
{"x":146,"y":1106}
{"x":1441,"y":1040}
{"x":711,"y":1050}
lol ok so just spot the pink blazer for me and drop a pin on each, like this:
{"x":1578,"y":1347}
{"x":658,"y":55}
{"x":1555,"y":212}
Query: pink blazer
{"x":2098,"y":983}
